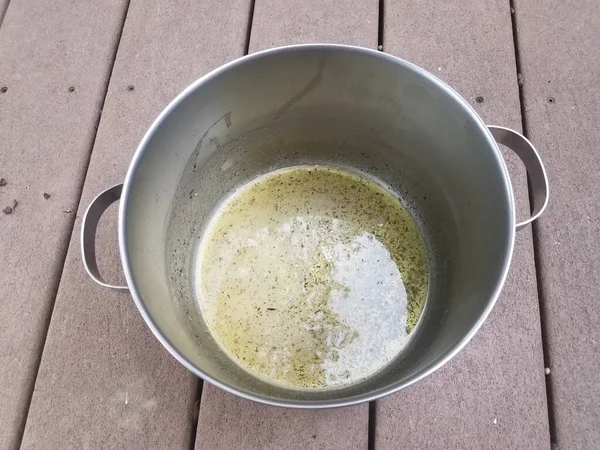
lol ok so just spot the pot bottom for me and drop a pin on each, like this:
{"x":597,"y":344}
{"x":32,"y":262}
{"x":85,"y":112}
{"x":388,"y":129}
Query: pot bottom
{"x":312,"y":277}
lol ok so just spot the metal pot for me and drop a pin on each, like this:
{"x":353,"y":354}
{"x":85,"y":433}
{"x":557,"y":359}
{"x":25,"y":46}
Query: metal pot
{"x":319,"y":104}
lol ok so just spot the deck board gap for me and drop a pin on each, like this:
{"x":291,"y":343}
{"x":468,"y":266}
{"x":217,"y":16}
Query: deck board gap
{"x":534,"y":231}
{"x":196,"y":414}
{"x":380,"y":25}
{"x":3,"y":10}
{"x":372,"y":425}
{"x":249,"y":29}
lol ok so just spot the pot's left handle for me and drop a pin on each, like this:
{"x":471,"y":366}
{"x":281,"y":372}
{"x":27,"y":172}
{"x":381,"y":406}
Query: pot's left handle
{"x":88,"y":232}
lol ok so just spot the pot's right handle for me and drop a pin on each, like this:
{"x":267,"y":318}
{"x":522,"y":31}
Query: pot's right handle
{"x":89,"y":226}
{"x":533,"y":163}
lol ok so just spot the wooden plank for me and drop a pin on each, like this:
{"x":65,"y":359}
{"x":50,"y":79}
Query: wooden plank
{"x":289,"y":22}
{"x":492,"y":395}
{"x":228,"y":422}
{"x":104,"y":380}
{"x":46,"y":136}
{"x":558,"y":42}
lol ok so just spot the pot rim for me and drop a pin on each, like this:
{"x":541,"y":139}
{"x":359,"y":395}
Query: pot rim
{"x":313,"y":404}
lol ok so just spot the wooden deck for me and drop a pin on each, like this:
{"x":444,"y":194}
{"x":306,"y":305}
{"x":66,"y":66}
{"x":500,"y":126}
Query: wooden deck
{"x":80,"y":82}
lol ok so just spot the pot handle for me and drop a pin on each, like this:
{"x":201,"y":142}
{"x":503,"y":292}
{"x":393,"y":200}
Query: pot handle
{"x":88,"y":232}
{"x":533,"y":163}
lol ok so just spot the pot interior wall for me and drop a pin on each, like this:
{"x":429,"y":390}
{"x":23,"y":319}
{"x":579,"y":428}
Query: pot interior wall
{"x":337,"y":107}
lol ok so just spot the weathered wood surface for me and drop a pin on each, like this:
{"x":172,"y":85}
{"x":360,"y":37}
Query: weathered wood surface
{"x":104,"y":380}
{"x":558,"y":43}
{"x":492,"y":394}
{"x":46,"y":136}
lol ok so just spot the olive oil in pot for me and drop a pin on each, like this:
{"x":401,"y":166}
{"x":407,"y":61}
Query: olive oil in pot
{"x":312,"y":277}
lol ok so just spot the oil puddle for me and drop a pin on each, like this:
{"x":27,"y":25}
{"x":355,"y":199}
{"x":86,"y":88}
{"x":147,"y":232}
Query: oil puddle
{"x":312,"y":277}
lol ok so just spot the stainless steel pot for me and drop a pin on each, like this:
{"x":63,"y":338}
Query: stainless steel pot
{"x":319,"y":104}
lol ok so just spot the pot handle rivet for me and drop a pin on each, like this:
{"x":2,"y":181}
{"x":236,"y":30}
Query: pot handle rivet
{"x":89,"y":227}
{"x":533,"y":163}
